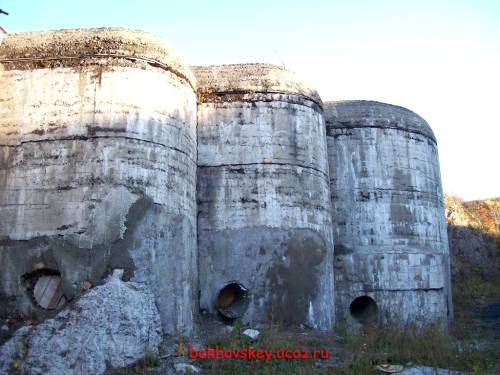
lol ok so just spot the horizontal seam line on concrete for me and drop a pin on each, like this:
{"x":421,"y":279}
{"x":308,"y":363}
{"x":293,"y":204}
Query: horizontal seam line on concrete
{"x":245,"y":164}
{"x":400,"y":290}
{"x":85,"y":138}
{"x":151,"y":62}
{"x":69,"y":187}
{"x":386,"y":189}
{"x":387,"y":252}
{"x":248,"y":92}
{"x":383,"y":128}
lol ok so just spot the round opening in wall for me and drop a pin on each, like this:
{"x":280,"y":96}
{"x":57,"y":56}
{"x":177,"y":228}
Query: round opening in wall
{"x":363,"y":309}
{"x":45,"y":288}
{"x":232,"y":300}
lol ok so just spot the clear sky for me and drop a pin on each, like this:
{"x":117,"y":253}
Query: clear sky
{"x":438,"y":58}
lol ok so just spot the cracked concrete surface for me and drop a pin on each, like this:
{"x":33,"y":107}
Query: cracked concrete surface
{"x":389,"y":227}
{"x":98,"y":165}
{"x":115,"y":154}
{"x":263,"y":197}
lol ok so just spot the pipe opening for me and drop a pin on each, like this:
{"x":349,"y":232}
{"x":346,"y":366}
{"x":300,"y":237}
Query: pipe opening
{"x":232,"y":300}
{"x":363,"y":309}
{"x":45,"y":288}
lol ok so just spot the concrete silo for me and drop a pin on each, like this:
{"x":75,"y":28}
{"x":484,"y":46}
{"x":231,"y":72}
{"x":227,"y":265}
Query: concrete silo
{"x":391,"y":247}
{"x":97,"y":168}
{"x":264,"y":217}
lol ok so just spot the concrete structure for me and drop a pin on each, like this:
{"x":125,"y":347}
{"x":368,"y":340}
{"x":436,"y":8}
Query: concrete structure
{"x":264,"y":217}
{"x":112,"y":156}
{"x":97,"y":167}
{"x":391,"y":247}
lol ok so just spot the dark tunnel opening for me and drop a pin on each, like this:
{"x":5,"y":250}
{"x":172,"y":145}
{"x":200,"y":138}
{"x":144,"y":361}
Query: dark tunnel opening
{"x":232,"y":300}
{"x":364,"y":309}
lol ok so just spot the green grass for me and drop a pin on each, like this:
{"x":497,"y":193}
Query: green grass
{"x":271,"y":338}
{"x":150,"y":360}
{"x":360,"y":352}
{"x":428,"y":346}
{"x":475,"y":288}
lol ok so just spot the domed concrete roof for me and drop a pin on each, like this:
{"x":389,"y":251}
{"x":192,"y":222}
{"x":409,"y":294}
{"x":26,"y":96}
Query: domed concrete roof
{"x":251,"y":78}
{"x":367,"y":113}
{"x":67,"y":47}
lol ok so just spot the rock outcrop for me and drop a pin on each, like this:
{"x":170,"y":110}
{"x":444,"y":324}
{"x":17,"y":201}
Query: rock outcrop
{"x":474,"y":235}
{"x":111,"y":326}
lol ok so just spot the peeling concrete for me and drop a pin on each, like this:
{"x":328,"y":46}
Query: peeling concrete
{"x":280,"y":268}
{"x":263,"y":196}
{"x":98,"y":165}
{"x":113,"y":156}
{"x":389,"y":226}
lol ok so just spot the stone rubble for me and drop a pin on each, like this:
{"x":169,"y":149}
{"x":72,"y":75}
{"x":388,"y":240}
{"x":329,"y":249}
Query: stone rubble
{"x":110,"y":326}
{"x":252,"y":333}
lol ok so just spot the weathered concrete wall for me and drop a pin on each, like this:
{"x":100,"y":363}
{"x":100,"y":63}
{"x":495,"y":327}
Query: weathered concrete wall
{"x":98,"y":170}
{"x":264,"y":215}
{"x":98,"y":165}
{"x":389,"y":227}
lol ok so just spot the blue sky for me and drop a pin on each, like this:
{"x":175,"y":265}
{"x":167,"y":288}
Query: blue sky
{"x":440,"y":59}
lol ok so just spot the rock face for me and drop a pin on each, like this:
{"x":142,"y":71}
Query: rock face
{"x":110,"y":326}
{"x":391,"y":247}
{"x":474,"y":236}
{"x":264,"y":216}
{"x":97,"y":166}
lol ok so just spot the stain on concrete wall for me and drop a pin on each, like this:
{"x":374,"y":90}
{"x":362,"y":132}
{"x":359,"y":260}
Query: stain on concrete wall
{"x":98,"y":165}
{"x":263,"y":194}
{"x":389,"y":227}
{"x":112,"y":156}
